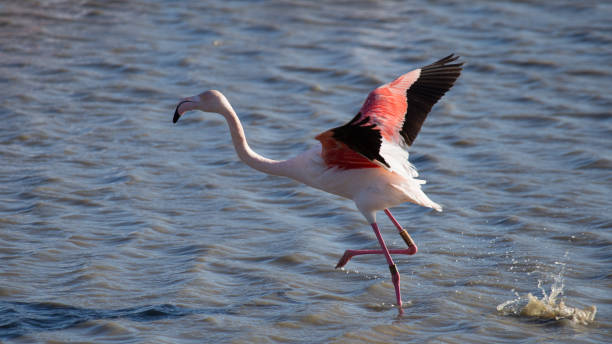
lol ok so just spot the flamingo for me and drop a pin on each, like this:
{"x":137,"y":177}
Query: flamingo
{"x":364,"y":160}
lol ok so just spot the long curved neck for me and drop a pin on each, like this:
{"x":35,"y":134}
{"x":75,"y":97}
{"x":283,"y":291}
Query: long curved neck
{"x":245,"y":153}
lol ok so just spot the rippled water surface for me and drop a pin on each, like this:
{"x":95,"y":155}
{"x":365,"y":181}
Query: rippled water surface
{"x":117,"y":226}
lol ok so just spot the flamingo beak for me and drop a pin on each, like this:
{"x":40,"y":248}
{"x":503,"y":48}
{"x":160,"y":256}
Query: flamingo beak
{"x":178,"y":112}
{"x":177,"y":115}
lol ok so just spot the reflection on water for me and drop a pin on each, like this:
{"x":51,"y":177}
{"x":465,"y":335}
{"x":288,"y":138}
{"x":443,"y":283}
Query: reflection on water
{"x":19,"y":318}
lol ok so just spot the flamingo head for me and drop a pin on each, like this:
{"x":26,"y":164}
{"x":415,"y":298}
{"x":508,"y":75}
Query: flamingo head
{"x":209,"y":101}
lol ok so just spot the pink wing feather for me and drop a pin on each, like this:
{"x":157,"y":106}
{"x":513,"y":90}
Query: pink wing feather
{"x":393,"y":113}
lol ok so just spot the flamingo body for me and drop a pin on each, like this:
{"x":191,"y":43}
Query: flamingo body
{"x":372,"y":188}
{"x":366,"y":159}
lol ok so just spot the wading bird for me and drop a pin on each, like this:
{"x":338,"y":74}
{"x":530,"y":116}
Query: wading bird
{"x":365,"y":160}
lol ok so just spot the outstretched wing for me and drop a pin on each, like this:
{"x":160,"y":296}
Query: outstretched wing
{"x":337,"y":153}
{"x":392,"y":116}
{"x":433,"y":82}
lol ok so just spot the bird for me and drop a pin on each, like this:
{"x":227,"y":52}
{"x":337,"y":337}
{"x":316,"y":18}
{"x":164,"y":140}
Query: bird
{"x":364,"y":160}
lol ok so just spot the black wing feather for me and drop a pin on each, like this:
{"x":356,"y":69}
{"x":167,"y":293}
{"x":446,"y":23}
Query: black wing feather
{"x":433,"y":82}
{"x":361,"y":137}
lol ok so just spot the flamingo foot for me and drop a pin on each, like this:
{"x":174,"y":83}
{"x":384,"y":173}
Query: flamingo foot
{"x":348,"y":254}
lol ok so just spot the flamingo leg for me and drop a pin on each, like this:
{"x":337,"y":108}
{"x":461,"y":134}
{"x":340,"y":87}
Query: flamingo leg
{"x":412,"y":247}
{"x":395,"y":276}
{"x":348,"y":254}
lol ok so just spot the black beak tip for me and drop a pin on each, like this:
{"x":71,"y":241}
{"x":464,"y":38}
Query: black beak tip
{"x":176,"y":116}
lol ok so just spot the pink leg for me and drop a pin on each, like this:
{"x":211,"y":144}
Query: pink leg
{"x":348,"y":254}
{"x":412,"y":247}
{"x":395,"y":276}
{"x":407,"y":239}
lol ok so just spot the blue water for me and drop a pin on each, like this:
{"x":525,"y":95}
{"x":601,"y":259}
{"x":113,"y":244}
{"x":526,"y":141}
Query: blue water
{"x":118,"y":226}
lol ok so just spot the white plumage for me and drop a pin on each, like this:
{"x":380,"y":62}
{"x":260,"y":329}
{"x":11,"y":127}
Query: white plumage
{"x":365,"y":160}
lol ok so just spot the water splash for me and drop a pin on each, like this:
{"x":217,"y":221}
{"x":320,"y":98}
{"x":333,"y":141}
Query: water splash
{"x":549,"y":306}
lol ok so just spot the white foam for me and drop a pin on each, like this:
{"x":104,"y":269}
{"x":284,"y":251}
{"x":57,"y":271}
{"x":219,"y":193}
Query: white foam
{"x":549,"y":307}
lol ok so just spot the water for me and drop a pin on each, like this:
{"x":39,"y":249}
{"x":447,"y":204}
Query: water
{"x":550,"y":306}
{"x":117,"y":226}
